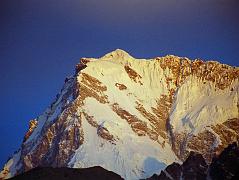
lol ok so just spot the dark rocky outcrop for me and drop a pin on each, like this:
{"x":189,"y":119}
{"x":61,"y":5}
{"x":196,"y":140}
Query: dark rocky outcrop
{"x":224,"y":166}
{"x":49,"y":173}
{"x":194,"y":167}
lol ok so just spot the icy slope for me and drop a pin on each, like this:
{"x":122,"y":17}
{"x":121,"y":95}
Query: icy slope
{"x":134,"y":116}
{"x":204,"y":118}
{"x":198,"y":105}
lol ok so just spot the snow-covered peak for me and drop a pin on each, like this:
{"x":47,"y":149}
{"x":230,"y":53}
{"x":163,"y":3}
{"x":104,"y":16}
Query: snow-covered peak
{"x":117,"y":55}
{"x":134,"y":116}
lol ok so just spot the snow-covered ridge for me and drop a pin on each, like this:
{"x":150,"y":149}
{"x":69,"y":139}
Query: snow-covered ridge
{"x":134,"y":116}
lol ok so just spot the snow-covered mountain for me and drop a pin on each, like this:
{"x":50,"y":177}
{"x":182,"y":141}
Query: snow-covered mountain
{"x":134,"y":116}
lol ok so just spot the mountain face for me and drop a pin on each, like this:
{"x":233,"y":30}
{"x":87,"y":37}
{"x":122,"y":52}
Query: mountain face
{"x":134,"y":116}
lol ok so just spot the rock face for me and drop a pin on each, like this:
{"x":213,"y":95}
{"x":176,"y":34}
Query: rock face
{"x":134,"y":116}
{"x":224,"y":166}
{"x":32,"y":125}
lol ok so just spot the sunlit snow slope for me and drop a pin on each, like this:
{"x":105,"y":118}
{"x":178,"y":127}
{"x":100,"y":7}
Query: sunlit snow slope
{"x":134,"y":116}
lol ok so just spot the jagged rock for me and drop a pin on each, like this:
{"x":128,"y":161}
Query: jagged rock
{"x":194,"y":167}
{"x":226,"y":165}
{"x":32,"y":126}
{"x":223,"y":167}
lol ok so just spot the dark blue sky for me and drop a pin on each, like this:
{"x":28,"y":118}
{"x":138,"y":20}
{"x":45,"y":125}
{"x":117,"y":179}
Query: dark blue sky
{"x":41,"y":41}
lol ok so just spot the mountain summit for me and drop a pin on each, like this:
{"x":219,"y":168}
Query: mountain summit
{"x":134,"y":116}
{"x":117,"y":54}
